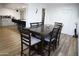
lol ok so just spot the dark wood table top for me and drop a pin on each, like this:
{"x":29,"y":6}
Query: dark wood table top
{"x":42,"y":30}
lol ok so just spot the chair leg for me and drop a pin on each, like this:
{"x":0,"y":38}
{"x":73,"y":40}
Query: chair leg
{"x":38,"y":49}
{"x":55,"y":44}
{"x":21,"y":53}
{"x":49,"y":50}
{"x":21,"y":49}
{"x":58,"y":42}
{"x":29,"y":51}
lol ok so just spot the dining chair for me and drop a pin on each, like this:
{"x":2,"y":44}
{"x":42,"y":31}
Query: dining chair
{"x":58,"y":39}
{"x":50,"y":40}
{"x":60,"y":25}
{"x":33,"y":25}
{"x":27,"y":41}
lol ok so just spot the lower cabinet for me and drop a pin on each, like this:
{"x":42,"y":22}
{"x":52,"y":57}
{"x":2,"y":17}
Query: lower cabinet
{"x":6,"y":22}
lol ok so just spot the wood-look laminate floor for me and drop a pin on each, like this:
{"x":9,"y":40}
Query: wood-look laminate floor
{"x":10,"y":43}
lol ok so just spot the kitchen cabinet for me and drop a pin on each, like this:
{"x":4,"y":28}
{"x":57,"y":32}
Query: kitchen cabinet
{"x":6,"y":21}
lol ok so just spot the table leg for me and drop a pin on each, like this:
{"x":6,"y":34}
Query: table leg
{"x":42,"y":45}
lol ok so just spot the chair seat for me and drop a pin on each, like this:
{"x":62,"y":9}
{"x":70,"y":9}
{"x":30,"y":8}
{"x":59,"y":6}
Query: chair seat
{"x":34,"y":40}
{"x":48,"y":39}
{"x":37,"y":36}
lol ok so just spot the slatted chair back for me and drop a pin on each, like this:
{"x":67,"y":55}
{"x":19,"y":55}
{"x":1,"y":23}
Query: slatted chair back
{"x":35,"y":24}
{"x":58,"y":24}
{"x":54,"y":33}
{"x":60,"y":29}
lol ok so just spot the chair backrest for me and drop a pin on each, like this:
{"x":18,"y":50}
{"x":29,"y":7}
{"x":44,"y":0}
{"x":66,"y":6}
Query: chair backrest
{"x":21,"y":25}
{"x":54,"y":33}
{"x":58,"y":24}
{"x":25,"y":37}
{"x":60,"y":28}
{"x":59,"y":33}
{"x":40,"y":23}
{"x":35,"y":24}
{"x":25,"y":33}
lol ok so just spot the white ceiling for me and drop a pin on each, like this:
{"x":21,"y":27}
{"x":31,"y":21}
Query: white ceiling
{"x":14,"y":5}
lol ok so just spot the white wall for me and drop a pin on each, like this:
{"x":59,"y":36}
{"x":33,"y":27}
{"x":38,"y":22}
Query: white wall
{"x":5,"y":11}
{"x":64,"y":13}
{"x":10,"y":12}
{"x":55,"y":12}
{"x":23,"y":14}
{"x":78,"y":37}
{"x":78,"y":21}
{"x":32,"y":16}
{"x":15,"y":5}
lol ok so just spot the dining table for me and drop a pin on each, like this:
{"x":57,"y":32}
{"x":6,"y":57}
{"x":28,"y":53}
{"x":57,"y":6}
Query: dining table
{"x":42,"y":31}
